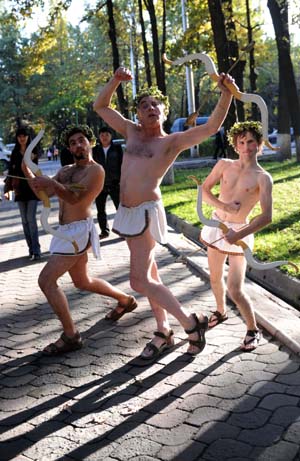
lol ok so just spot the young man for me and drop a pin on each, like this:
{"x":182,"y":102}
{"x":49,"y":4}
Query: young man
{"x":141,"y":217}
{"x":76,"y":186}
{"x":110,"y":156}
{"x":243,"y":183}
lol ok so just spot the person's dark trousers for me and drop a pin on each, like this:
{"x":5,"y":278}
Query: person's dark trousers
{"x":114,"y":193}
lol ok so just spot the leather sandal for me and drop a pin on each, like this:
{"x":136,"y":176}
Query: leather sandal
{"x":200,"y":328}
{"x":70,"y":344}
{"x":116,"y":314}
{"x":216,"y":318}
{"x":158,"y":351}
{"x":251,"y":340}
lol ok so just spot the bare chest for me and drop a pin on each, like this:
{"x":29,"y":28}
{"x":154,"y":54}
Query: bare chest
{"x":141,"y":149}
{"x":240,"y":183}
{"x":72,"y":175}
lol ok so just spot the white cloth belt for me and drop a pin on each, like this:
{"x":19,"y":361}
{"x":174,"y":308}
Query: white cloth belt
{"x":83,"y":232}
{"x":133,"y":221}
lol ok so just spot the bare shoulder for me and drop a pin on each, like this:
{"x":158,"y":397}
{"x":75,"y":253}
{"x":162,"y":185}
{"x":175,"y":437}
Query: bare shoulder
{"x":264,"y":177}
{"x":96,"y":167}
{"x":225,"y":164}
{"x":93,"y":170}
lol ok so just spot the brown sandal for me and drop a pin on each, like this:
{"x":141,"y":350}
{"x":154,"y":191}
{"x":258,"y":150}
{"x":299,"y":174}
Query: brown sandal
{"x":251,"y":340}
{"x":115,"y":314}
{"x":200,"y":328}
{"x":158,"y":351}
{"x":216,"y":318}
{"x":69,"y":345}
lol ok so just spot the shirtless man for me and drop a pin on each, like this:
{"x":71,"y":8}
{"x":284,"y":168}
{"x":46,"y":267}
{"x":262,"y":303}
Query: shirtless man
{"x":243,"y":183}
{"x":87,"y":178}
{"x":141,"y":217}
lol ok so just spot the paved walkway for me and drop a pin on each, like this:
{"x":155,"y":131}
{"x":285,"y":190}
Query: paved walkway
{"x":96,"y":404}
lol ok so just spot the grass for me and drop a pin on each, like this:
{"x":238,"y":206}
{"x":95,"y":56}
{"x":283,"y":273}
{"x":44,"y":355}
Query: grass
{"x":280,"y":240}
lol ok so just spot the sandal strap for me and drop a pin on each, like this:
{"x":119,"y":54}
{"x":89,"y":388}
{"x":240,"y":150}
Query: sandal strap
{"x":218,"y":315}
{"x":152,"y":347}
{"x":161,"y":335}
{"x":198,"y":326}
{"x":253,"y":333}
{"x":71,"y":340}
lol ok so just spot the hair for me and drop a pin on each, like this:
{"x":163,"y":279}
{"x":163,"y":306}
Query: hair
{"x":241,"y":128}
{"x":155,"y":93}
{"x":23,"y":130}
{"x":106,"y":129}
{"x":73,"y":129}
{"x":26,"y":131}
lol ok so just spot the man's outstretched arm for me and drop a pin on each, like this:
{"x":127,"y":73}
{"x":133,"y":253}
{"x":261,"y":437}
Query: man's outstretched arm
{"x":196,"y":135}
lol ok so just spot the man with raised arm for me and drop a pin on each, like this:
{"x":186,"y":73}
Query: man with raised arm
{"x":141,"y":217}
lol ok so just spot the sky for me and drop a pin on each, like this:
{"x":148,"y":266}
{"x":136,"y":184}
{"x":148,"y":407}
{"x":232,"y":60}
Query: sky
{"x":75,"y":12}
{"x":268,"y":25}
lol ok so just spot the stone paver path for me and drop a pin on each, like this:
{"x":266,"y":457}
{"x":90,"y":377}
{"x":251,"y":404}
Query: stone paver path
{"x":96,"y":404}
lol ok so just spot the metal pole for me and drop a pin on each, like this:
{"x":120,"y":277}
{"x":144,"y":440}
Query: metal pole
{"x":133,"y":81}
{"x":132,"y":66}
{"x":189,"y":80}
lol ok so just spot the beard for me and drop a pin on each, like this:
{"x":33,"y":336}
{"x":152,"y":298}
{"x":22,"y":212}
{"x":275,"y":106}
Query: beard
{"x":81,"y":156}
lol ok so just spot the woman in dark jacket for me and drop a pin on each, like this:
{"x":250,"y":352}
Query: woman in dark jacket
{"x":26,"y":199}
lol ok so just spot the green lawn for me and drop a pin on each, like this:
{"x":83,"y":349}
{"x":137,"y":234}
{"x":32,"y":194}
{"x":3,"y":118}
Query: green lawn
{"x":280,"y":240}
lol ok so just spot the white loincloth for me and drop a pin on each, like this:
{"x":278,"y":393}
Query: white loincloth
{"x":133,"y":221}
{"x":210,"y":237}
{"x":83,"y":233}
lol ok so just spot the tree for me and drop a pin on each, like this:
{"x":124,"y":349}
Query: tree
{"x":252,"y":73}
{"x":112,"y":33}
{"x":226,"y":48}
{"x":13,"y":88}
{"x":157,"y":50}
{"x":289,"y":108}
{"x":145,"y":45}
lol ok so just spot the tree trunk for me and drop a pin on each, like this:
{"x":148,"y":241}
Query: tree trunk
{"x":168,"y":178}
{"x":289,"y":107}
{"x":232,"y":50}
{"x":145,"y":45}
{"x":252,"y":73}
{"x":123,"y":105}
{"x":222,"y":46}
{"x":157,"y":57}
{"x":159,"y":65}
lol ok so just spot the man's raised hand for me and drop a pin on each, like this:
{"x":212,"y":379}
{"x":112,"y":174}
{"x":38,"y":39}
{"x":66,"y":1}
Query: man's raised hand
{"x":123,"y":74}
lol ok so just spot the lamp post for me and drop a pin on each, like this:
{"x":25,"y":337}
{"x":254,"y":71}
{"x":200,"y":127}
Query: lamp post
{"x":189,"y":80}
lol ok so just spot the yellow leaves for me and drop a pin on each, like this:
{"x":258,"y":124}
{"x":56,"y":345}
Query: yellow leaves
{"x":36,"y":54}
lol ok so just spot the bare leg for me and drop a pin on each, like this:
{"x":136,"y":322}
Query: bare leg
{"x":216,"y":262}
{"x":77,"y":268}
{"x":143,"y":279}
{"x":235,"y":284}
{"x":54,"y":269}
{"x":160,"y":315}
{"x":83,"y":281}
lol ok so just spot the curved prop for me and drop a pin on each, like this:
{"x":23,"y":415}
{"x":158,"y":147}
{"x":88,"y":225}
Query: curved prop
{"x":247,"y":252}
{"x":42,"y":194}
{"x":233,"y":88}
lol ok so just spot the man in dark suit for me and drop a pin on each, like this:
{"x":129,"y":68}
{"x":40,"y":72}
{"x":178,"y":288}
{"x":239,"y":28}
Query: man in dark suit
{"x":110,"y":156}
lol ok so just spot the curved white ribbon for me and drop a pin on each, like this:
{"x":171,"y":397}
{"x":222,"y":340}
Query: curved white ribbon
{"x":233,"y":88}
